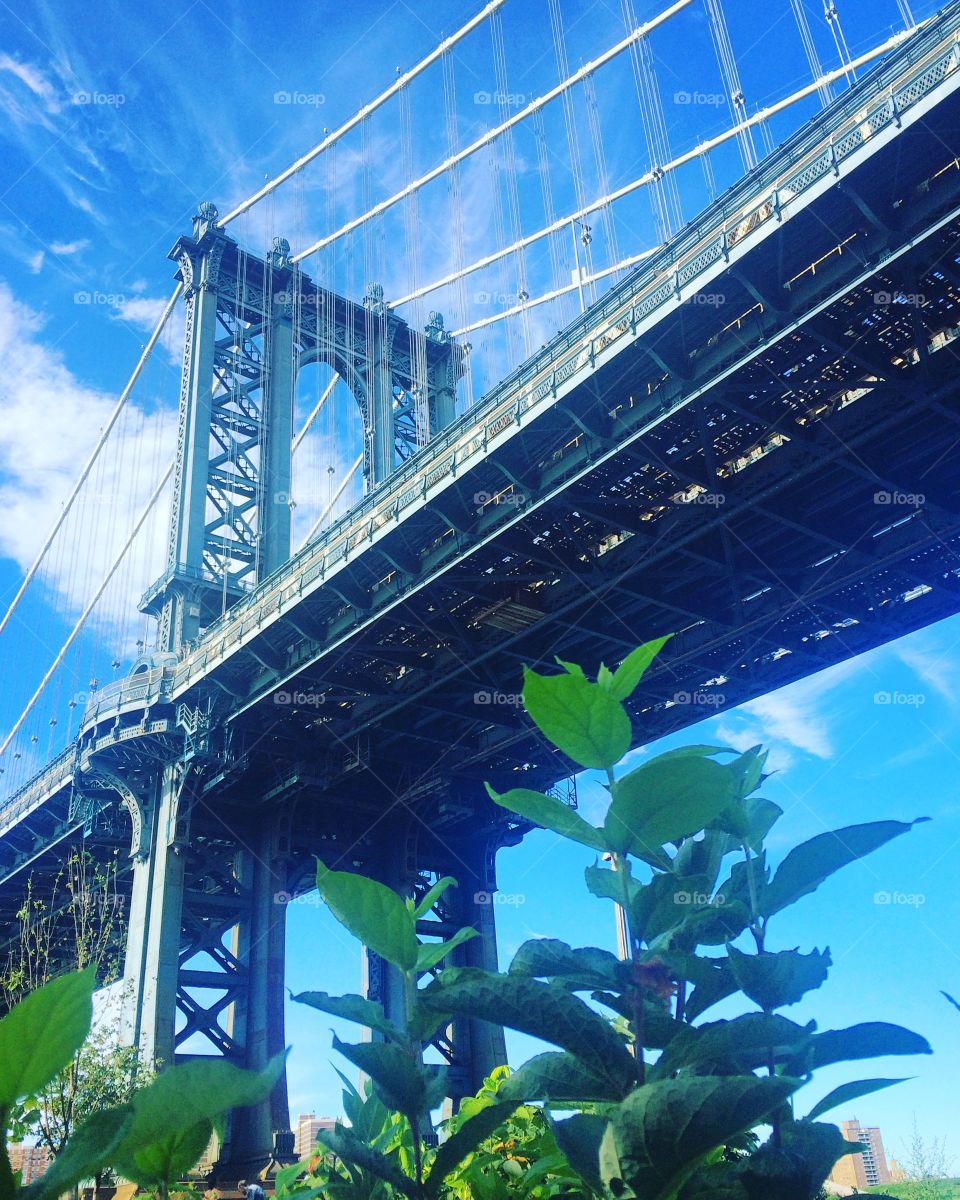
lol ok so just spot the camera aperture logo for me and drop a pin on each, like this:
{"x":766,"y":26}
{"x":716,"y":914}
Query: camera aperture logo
{"x":300,"y":699}
{"x":508,"y":898}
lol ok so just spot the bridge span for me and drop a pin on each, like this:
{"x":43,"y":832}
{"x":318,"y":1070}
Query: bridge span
{"x":750,"y":441}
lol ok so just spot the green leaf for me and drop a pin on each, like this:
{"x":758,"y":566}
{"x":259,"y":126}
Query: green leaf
{"x":559,"y":1077}
{"x":167,"y":1155}
{"x":749,"y":820}
{"x":549,"y":813}
{"x":353,"y":1008}
{"x":711,"y":985}
{"x":589,"y":967}
{"x":346,"y":1145}
{"x":665,"y":800}
{"x":748,"y":770}
{"x":796,"y":1168}
{"x":634,"y":667}
{"x":666,"y":902}
{"x":89,"y":1150}
{"x":744,"y":1041}
{"x":704,"y":855}
{"x":850,"y":1091}
{"x":571,"y":668}
{"x":809,"y":864}
{"x":579,"y":1137}
{"x":776,"y":980}
{"x":871,"y":1039}
{"x":398,"y":1078}
{"x":373,"y":913}
{"x":433,"y":895}
{"x":430,"y":953}
{"x":41,"y":1034}
{"x":582,"y":720}
{"x":467,"y":1138}
{"x":544,"y":1010}
{"x":664,"y":1130}
{"x":170,"y":1114}
{"x":713,"y":925}
{"x":604,"y":883}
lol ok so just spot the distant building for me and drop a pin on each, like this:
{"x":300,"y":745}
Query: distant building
{"x":30,"y":1161}
{"x":308,"y":1126}
{"x":868,"y":1167}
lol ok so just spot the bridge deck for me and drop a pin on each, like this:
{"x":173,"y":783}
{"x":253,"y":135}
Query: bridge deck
{"x":702,"y":452}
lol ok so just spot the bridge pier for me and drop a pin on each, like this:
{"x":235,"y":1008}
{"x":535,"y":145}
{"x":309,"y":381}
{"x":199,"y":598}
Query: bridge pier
{"x":205,"y":957}
{"x":410,"y":862}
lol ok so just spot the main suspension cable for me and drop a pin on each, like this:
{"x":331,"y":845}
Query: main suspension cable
{"x":534,"y":106}
{"x":361,"y":114}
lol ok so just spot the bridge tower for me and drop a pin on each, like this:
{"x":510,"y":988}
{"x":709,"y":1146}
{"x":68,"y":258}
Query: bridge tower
{"x":205,"y":953}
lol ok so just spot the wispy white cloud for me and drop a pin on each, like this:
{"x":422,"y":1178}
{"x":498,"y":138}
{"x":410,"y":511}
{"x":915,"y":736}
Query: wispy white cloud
{"x":797,"y":719}
{"x":68,"y":248}
{"x":51,"y":421}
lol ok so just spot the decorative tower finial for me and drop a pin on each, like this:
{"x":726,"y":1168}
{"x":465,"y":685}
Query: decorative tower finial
{"x":206,"y":218}
{"x":434,"y":328}
{"x":279,"y":256}
{"x":373,"y":299}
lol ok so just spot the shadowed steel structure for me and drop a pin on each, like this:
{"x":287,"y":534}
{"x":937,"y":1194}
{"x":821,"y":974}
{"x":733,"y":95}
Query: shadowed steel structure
{"x":748,"y":441}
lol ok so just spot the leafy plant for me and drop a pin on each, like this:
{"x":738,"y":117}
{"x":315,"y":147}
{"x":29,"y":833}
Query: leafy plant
{"x":666,"y":1102}
{"x":81,"y":911}
{"x":151,"y":1140}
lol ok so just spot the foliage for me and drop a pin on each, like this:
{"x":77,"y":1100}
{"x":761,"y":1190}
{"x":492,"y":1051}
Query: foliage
{"x":932,"y":1189}
{"x":666,"y":1103}
{"x":152,"y":1139}
{"x":82,"y":912}
{"x":927,"y":1166}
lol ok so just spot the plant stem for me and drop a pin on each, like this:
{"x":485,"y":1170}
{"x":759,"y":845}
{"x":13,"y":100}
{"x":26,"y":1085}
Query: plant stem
{"x":756,"y":922}
{"x":410,"y":998}
{"x":620,"y":867}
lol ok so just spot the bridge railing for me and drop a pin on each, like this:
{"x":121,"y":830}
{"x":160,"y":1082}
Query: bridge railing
{"x":57,"y":771}
{"x":141,"y":690}
{"x":905,"y":78}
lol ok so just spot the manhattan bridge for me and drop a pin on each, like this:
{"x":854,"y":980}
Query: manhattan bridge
{"x":744,"y":434}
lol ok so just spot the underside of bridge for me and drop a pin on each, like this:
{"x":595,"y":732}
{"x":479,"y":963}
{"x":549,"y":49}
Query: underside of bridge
{"x":767,"y":471}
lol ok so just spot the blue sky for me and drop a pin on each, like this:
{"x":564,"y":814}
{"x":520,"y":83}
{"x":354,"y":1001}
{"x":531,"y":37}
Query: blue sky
{"x":113,"y":129}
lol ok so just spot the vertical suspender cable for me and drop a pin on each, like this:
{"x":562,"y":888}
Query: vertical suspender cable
{"x":94,"y":454}
{"x":810,"y":49}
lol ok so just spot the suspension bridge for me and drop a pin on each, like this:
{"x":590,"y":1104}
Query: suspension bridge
{"x":745,"y":436}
